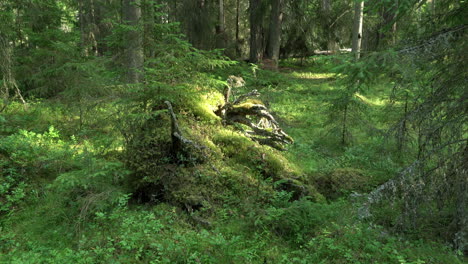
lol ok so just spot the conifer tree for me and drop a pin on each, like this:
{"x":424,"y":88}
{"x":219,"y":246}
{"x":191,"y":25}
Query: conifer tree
{"x":131,"y":11}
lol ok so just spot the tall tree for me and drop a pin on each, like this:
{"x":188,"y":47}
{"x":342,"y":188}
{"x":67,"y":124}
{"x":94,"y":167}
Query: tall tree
{"x":131,"y":11}
{"x":148,"y":12}
{"x":357,"y":28}
{"x":222,"y":20}
{"x":256,"y":27}
{"x":7,"y":82}
{"x":238,"y":45}
{"x":221,"y":27}
{"x":88,"y":27}
{"x":199,"y":19}
{"x":274,"y":37}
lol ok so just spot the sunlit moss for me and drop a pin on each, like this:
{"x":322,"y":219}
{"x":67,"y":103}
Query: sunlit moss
{"x":375,"y":101}
{"x":311,"y":75}
{"x":207,"y":105}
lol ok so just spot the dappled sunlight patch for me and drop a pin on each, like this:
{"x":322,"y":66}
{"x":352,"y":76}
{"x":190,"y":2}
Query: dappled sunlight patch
{"x":208,"y":104}
{"x":312,"y":75}
{"x":372,"y":101}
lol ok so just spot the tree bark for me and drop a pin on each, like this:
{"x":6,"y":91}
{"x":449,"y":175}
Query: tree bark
{"x":357,"y":28}
{"x":149,"y":11}
{"x":222,"y":21}
{"x":134,"y":41}
{"x":221,"y":28}
{"x":175,"y":12}
{"x":238,"y":45}
{"x":274,"y":38}
{"x":256,"y":41}
{"x":8,"y":81}
{"x":88,"y":28}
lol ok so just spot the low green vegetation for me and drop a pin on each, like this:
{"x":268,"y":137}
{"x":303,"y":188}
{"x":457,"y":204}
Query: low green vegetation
{"x":103,"y":188}
{"x":135,"y":131}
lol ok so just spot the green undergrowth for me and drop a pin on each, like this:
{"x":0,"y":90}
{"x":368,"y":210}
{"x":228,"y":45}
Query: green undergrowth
{"x":101,"y":186}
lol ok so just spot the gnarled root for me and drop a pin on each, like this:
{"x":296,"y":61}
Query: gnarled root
{"x":245,"y":111}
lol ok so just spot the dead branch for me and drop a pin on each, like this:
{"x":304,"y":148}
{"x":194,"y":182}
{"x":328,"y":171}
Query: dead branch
{"x":180,"y":143}
{"x":241,"y":98}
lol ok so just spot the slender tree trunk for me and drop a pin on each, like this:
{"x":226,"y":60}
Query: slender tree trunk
{"x":238,"y":46}
{"x":82,"y":20}
{"x":175,"y":11}
{"x":357,"y":29}
{"x":274,"y":37}
{"x":103,"y":26}
{"x":256,"y":41}
{"x":344,"y":129}
{"x":88,"y":28}
{"x":149,"y":21}
{"x":134,"y":41}
{"x":222,"y":21}
{"x":221,"y":28}
{"x":394,"y":26}
{"x":8,"y":82}
{"x":403,"y":130}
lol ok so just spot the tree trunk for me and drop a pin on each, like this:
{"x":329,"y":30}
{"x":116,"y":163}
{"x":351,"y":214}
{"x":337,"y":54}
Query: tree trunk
{"x":88,"y":28}
{"x":357,"y":29}
{"x":149,"y":25}
{"x":256,"y":41}
{"x":274,"y":38}
{"x":7,"y":81}
{"x":221,"y":28}
{"x":134,"y":41}
{"x":222,"y":21}
{"x":327,"y":11}
{"x":238,"y":45}
{"x":175,"y":11}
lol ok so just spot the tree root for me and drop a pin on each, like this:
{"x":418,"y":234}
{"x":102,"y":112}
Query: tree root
{"x":245,"y":111}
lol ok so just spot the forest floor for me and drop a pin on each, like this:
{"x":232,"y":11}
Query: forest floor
{"x":66,"y":196}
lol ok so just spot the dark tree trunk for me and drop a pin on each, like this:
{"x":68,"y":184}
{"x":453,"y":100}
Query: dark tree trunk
{"x":221,"y":28}
{"x":274,"y":38}
{"x":256,"y":40}
{"x":8,"y":83}
{"x":134,"y":41}
{"x":88,"y":28}
{"x":175,"y":11}
{"x":149,"y":24}
{"x":238,"y":45}
{"x":222,"y":21}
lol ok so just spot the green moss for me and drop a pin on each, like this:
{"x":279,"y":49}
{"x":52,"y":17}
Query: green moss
{"x":263,"y":205}
{"x":205,"y":107}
